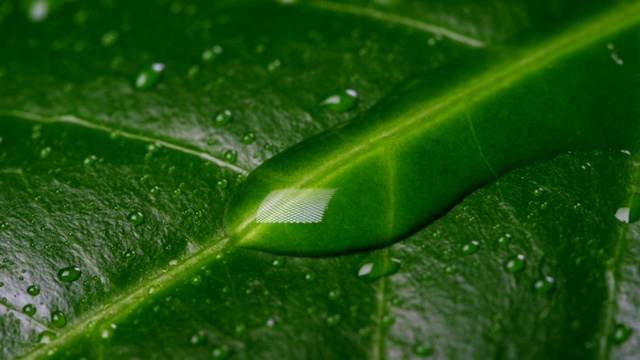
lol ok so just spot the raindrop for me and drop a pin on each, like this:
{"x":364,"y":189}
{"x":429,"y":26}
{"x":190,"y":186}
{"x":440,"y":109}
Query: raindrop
{"x":29,"y":309}
{"x":221,"y":352}
{"x":621,"y":333}
{"x":248,"y":138}
{"x":310,"y":276}
{"x":333,"y":320}
{"x":222,"y":184}
{"x":544,"y":285}
{"x":69,"y":274}
{"x":279,"y":262}
{"x":33,"y":290}
{"x":230,"y":156}
{"x":470,"y":248}
{"x":212,"y":53}
{"x":376,"y":266}
{"x":46,"y":337}
{"x":45,"y":152}
{"x":341,"y":101}
{"x":135,"y":218}
{"x":423,"y":349}
{"x":149,"y":77}
{"x":515,"y":263}
{"x":130,"y":255}
{"x":222,"y":118}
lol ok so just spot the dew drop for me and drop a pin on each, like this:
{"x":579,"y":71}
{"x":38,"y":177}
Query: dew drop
{"x":46,"y":337}
{"x":222,"y":118}
{"x":221,"y":352}
{"x":470,"y":248}
{"x":33,"y":290}
{"x":274,"y":65}
{"x":212,"y":53}
{"x":90,"y":160}
{"x":248,"y":138}
{"x":222,"y":184}
{"x":177,"y":192}
{"x":130,"y":255}
{"x":149,"y":77}
{"x":4,"y":226}
{"x":58,"y":319}
{"x":154,"y":190}
{"x":504,"y":240}
{"x":515,"y":263}
{"x":279,"y":262}
{"x":334,"y":294}
{"x":135,"y":218}
{"x":341,"y":101}
{"x":196,"y":280}
{"x":544,"y":285}
{"x":45,"y":152}
{"x":423,"y":349}
{"x":29,"y":309}
{"x":109,"y":38}
{"x":310,"y":276}
{"x":230,"y":156}
{"x":621,"y":333}
{"x":197,"y":338}
{"x":333,"y":320}
{"x":69,"y":274}
{"x":376,"y":266}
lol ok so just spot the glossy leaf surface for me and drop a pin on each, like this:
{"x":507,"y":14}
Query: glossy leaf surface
{"x":113,"y":195}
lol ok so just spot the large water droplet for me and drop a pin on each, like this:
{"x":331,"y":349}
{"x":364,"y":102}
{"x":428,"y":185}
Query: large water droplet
{"x":33,"y":290}
{"x":46,"y":337}
{"x":341,"y":101}
{"x":149,"y":77}
{"x":222,"y":118}
{"x":29,"y":309}
{"x":58,"y":319}
{"x":69,"y":274}
{"x":376,"y":266}
{"x":515,"y":263}
{"x":135,"y":218}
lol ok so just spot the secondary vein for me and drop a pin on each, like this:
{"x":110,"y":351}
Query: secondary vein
{"x":70,"y":119}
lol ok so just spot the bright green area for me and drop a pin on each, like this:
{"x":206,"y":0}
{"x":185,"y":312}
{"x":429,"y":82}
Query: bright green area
{"x":113,"y":195}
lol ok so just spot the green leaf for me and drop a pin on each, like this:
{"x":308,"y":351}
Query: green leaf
{"x":112,"y":234}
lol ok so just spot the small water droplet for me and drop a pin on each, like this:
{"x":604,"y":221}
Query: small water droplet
{"x":388,"y":320}
{"x":274,"y":65}
{"x":621,"y":333}
{"x":196,"y":280}
{"x":177,"y":192}
{"x":471,"y":247}
{"x":515,"y":263}
{"x":197,"y":338}
{"x":212,"y":53}
{"x":33,"y":290}
{"x":376,"y":266}
{"x":29,"y":309}
{"x":46,"y":337}
{"x":154,"y":190}
{"x":230,"y":156}
{"x":69,"y":274}
{"x":333,"y":320}
{"x":334,"y":294}
{"x":130,"y":255}
{"x":504,"y":240}
{"x":149,"y":77}
{"x":222,"y":184}
{"x":450,"y":269}
{"x":310,"y":276}
{"x":45,"y":152}
{"x":544,"y":285}
{"x":279,"y":262}
{"x":423,"y":349}
{"x":4,"y":226}
{"x":109,"y":38}
{"x":135,"y":218}
{"x":90,"y":160}
{"x":241,"y":329}
{"x":106,"y":332}
{"x":248,"y":138}
{"x":341,"y":101}
{"x":221,"y":352}
{"x":222,"y":118}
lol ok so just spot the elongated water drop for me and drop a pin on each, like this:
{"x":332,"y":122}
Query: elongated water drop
{"x":69,"y":274}
{"x":149,"y":77}
{"x":376,"y":266}
{"x":341,"y":101}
